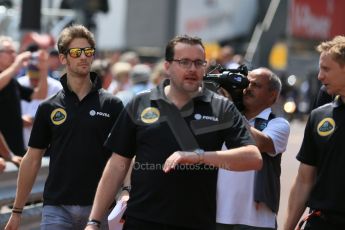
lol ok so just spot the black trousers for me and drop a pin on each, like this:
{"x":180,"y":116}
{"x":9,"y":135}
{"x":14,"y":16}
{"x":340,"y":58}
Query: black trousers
{"x":320,"y":223}
{"x":137,"y":224}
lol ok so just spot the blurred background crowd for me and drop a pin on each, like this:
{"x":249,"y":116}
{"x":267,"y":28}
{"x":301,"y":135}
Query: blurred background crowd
{"x":279,"y":34}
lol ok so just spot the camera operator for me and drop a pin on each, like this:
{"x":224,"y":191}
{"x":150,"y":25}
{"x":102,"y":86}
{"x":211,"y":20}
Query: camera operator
{"x":255,"y":194}
{"x":11,"y":125}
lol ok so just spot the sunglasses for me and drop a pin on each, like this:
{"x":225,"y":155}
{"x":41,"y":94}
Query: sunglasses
{"x":76,"y":52}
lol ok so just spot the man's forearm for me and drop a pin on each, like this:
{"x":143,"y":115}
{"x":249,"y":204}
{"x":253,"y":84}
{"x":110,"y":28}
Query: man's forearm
{"x":299,"y":195}
{"x":28,"y":170}
{"x":237,"y":159}
{"x":111,"y":181}
{"x":5,"y":151}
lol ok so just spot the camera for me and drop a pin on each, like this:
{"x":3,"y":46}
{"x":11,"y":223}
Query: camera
{"x":33,"y":61}
{"x":232,"y":80}
{"x":32,"y":68}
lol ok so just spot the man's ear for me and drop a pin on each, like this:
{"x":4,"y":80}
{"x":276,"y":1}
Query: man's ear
{"x":167,"y":67}
{"x":274,"y":96}
{"x":63,"y":59}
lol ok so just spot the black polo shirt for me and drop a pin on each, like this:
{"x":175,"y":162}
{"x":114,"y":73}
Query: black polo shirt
{"x":324,"y":148}
{"x":186,"y":196}
{"x":11,"y":123}
{"x":74,"y":132}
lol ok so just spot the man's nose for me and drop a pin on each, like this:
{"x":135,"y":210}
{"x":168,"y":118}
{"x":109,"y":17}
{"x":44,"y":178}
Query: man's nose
{"x":320,"y":76}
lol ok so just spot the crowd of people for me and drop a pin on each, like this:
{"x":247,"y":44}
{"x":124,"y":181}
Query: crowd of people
{"x":185,"y":156}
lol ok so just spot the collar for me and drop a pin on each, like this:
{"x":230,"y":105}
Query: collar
{"x":158,"y":93}
{"x":264,"y":114}
{"x":337,"y":102}
{"x":96,"y":82}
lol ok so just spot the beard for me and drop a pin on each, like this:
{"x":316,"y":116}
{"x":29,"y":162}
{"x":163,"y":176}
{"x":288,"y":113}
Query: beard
{"x":81,"y":69}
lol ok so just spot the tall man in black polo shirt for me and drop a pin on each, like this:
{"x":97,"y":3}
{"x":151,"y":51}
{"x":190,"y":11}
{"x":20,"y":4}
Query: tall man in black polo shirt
{"x":72,"y":126}
{"x":174,"y":189}
{"x":320,"y":184}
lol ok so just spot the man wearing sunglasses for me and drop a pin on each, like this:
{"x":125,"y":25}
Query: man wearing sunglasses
{"x":72,"y":126}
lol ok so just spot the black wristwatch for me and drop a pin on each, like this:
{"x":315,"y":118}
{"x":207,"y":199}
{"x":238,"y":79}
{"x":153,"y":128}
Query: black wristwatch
{"x":94,"y":222}
{"x":126,"y":188}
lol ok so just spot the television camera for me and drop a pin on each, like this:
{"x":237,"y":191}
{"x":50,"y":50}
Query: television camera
{"x":232,"y":80}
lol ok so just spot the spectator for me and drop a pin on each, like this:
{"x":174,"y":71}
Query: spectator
{"x":54,"y":65}
{"x":102,"y":69}
{"x":72,"y":126}
{"x":11,"y":92}
{"x":160,"y":197}
{"x":28,"y":109}
{"x":256,"y":194}
{"x":121,"y":80}
{"x":226,"y":57}
{"x":130,"y":57}
{"x":158,"y":74}
{"x":140,"y":75}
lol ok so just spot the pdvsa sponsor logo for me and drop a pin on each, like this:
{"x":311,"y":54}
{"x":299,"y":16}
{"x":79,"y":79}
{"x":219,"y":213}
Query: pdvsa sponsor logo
{"x":58,"y":116}
{"x":150,"y":115}
{"x":326,"y":127}
{"x":198,"y":116}
{"x":95,"y":113}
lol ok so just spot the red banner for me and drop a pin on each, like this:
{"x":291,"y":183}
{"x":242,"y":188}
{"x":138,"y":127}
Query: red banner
{"x":317,"y":19}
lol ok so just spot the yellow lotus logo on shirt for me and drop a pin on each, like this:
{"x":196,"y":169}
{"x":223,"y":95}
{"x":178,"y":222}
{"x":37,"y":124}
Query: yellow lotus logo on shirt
{"x":150,"y":115}
{"x":58,"y":116}
{"x":326,"y":127}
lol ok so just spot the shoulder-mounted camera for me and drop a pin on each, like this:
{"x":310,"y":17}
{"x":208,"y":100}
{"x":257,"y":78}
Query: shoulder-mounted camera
{"x":232,"y":80}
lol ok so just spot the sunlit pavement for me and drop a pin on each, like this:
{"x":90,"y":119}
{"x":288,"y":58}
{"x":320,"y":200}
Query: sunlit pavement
{"x":289,"y":167}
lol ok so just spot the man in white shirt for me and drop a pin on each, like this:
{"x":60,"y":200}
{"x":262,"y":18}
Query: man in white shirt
{"x":250,"y":199}
{"x":31,"y":79}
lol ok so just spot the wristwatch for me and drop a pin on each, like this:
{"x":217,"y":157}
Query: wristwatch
{"x":201,"y":154}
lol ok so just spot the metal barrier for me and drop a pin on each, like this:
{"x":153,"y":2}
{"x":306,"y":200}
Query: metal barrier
{"x":32,"y":211}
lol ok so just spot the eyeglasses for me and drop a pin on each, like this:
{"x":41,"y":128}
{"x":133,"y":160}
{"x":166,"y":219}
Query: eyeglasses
{"x":76,"y":52}
{"x":187,"y":63}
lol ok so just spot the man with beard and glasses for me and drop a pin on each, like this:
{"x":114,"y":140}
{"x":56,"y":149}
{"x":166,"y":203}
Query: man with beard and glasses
{"x":72,"y":126}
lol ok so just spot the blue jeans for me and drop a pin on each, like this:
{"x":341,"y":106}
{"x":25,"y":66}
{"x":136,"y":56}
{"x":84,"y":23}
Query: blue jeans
{"x":67,"y":217}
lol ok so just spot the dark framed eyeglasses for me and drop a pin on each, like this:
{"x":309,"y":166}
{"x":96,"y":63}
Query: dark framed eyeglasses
{"x":187,"y":63}
{"x":76,"y":52}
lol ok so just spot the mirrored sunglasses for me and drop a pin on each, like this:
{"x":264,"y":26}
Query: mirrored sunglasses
{"x":76,"y":52}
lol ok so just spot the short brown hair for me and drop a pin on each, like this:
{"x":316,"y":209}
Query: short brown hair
{"x":334,"y":47}
{"x":170,"y":48}
{"x":71,"y":32}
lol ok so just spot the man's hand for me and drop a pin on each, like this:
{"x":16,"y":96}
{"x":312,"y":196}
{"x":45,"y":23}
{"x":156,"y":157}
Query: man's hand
{"x":180,"y":157}
{"x":14,"y":222}
{"x":22,"y":60}
{"x":16,"y":160}
{"x":124,"y":196}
